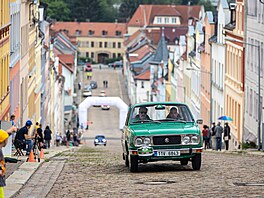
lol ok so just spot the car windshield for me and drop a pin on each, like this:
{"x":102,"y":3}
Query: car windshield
{"x":161,"y":113}
{"x":100,"y":137}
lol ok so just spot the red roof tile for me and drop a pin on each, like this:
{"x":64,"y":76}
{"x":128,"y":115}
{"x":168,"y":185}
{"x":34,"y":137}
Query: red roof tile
{"x":141,"y":52}
{"x":84,"y":27}
{"x":143,"y":76}
{"x":144,"y":15}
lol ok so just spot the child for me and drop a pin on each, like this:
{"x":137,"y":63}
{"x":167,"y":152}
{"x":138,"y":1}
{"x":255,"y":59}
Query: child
{"x":3,"y":143}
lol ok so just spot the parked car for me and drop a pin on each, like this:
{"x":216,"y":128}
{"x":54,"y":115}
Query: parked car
{"x":105,"y":107}
{"x":102,"y":93}
{"x":87,"y":91}
{"x":116,"y":63}
{"x":88,"y":67}
{"x":150,"y":134}
{"x":100,"y":140}
{"x":93,"y":84}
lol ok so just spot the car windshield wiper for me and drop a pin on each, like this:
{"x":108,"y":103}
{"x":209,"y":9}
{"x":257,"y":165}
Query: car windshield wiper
{"x":176,"y":120}
{"x":142,"y":121}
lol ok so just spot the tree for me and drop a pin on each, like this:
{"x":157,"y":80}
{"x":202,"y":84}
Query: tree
{"x":61,"y":14}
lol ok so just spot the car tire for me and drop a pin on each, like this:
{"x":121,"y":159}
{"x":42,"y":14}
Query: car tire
{"x":184,"y":162}
{"x":94,"y":144}
{"x":133,"y":163}
{"x":196,"y":162}
{"x":126,"y":160}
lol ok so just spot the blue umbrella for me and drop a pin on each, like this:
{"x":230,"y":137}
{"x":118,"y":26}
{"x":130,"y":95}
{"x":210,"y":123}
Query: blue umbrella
{"x":226,"y":118}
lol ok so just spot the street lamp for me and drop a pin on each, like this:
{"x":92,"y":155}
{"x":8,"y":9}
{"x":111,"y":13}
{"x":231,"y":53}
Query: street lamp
{"x":259,"y":98}
{"x":211,"y":89}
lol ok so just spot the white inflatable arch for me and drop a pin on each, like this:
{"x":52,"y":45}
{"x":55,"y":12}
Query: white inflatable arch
{"x":112,"y":101}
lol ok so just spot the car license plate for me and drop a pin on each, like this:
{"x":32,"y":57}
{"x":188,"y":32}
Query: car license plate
{"x":167,"y":153}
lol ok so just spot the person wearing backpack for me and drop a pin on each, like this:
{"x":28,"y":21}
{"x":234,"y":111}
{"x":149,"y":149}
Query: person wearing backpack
{"x":47,"y":136}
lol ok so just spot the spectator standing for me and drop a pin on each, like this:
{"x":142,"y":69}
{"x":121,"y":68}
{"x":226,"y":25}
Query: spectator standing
{"x":40,"y":136}
{"x":3,"y":143}
{"x":205,"y":136}
{"x":79,"y":85}
{"x":12,"y":119}
{"x":47,"y":136}
{"x":218,"y":134}
{"x":227,"y":135}
{"x":58,"y":138}
{"x":106,"y":83}
{"x":68,"y":137}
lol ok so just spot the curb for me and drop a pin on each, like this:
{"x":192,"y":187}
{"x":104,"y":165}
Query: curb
{"x":25,"y":171}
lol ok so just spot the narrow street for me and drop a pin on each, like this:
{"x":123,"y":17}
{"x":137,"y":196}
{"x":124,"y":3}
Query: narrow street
{"x":90,"y":171}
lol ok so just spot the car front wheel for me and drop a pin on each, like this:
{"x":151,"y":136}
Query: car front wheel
{"x":126,"y":160}
{"x":196,"y":162}
{"x":133,"y":163}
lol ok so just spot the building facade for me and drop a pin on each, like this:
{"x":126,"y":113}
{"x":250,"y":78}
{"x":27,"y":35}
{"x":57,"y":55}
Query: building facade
{"x":234,"y":73}
{"x":4,"y":61}
{"x":254,"y":36}
{"x":96,"y":41}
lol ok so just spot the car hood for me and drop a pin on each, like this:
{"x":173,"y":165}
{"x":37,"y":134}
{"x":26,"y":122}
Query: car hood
{"x":166,"y":129}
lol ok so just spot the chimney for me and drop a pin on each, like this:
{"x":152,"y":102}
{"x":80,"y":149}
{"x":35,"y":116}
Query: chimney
{"x":216,"y":22}
{"x":232,"y":8}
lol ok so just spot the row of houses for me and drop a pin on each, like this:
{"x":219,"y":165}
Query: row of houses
{"x":37,"y":67}
{"x":211,"y":61}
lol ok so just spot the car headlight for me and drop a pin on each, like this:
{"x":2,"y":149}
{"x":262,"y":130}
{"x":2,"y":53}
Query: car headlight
{"x":95,"y":140}
{"x":186,"y":140}
{"x":138,"y":142}
{"x":104,"y":140}
{"x":147,"y":141}
{"x":194,"y":139}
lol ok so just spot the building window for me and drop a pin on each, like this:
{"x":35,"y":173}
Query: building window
{"x":87,"y":54}
{"x":167,"y":20}
{"x":114,"y":45}
{"x":118,"y":55}
{"x":119,"y":45}
{"x":104,"y":33}
{"x":142,"y":84}
{"x":91,"y":32}
{"x":92,"y":44}
{"x":118,"y":33}
{"x":174,"y":20}
{"x":100,"y":44}
{"x":159,"y":20}
{"x":87,"y":43}
{"x":77,"y":32}
{"x":105,"y":44}
{"x":92,"y":55}
{"x":114,"y":55}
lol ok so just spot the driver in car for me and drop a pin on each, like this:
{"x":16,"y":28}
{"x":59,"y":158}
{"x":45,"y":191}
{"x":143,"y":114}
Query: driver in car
{"x":174,"y":114}
{"x":142,"y":114}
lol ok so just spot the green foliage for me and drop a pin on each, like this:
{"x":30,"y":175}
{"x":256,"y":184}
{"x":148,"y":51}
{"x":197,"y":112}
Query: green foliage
{"x":58,"y":10}
{"x":247,"y":145}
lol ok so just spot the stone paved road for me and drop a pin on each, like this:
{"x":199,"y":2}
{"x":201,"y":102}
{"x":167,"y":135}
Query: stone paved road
{"x":100,"y":171}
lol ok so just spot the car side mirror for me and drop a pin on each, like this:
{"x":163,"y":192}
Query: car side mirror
{"x":199,"y":121}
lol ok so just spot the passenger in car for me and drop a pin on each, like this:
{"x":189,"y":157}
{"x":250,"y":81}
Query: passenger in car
{"x":142,"y":114}
{"x":174,"y":114}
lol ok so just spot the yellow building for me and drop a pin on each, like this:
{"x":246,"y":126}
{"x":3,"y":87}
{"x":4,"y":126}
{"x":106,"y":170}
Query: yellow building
{"x":234,"y":75}
{"x":98,"y":41}
{"x":4,"y":60}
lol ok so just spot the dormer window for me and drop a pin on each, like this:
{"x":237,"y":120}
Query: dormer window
{"x":159,"y":20}
{"x":118,"y":33}
{"x":167,"y":20}
{"x":78,"y":32}
{"x":104,"y":32}
{"x":91,"y":32}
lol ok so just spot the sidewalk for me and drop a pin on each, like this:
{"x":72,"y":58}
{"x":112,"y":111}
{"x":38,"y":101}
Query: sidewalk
{"x":19,"y":173}
{"x":244,"y":152}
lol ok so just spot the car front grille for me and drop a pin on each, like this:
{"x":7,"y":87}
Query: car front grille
{"x":167,"y":140}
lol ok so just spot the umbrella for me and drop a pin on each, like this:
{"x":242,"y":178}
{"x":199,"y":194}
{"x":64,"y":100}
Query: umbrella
{"x":226,"y":118}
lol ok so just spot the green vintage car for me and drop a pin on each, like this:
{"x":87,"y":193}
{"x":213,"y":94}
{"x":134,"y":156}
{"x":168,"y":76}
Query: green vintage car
{"x":156,"y":131}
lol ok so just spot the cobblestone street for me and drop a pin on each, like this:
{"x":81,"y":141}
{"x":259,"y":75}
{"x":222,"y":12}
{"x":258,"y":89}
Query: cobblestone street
{"x":100,"y":171}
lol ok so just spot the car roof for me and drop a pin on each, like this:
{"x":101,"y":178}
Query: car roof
{"x":157,"y":103}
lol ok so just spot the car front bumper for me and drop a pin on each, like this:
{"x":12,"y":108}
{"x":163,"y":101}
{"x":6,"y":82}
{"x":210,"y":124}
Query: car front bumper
{"x":151,"y":154}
